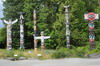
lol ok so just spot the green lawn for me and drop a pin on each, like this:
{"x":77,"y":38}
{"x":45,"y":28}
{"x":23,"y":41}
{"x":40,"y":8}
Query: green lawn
{"x":81,"y":52}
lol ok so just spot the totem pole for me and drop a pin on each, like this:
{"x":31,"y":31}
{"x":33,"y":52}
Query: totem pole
{"x":9,"y":32}
{"x":91,"y":17}
{"x":42,"y":37}
{"x":21,"y":30}
{"x":35,"y":42}
{"x":67,"y":28}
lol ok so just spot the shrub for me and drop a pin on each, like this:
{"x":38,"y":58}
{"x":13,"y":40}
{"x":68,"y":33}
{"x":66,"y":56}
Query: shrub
{"x":59,"y":54}
{"x":10,"y":54}
{"x":75,"y":52}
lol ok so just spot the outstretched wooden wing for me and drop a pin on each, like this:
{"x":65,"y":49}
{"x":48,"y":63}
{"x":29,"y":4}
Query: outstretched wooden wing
{"x":46,"y":37}
{"x":37,"y":37}
{"x":6,"y":22}
{"x":14,"y":21}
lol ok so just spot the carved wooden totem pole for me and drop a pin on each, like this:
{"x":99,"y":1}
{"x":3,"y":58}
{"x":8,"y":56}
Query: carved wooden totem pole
{"x":9,"y":32}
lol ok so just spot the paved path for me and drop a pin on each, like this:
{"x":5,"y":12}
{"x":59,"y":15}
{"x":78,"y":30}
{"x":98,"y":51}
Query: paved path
{"x":57,"y":62}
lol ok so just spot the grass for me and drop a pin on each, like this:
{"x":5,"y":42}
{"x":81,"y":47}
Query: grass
{"x":80,"y":52}
{"x":26,"y":53}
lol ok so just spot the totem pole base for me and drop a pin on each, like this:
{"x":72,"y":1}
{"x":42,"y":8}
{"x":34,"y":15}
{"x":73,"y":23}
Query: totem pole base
{"x":35,"y":49}
{"x":92,"y":46}
{"x":42,"y":48}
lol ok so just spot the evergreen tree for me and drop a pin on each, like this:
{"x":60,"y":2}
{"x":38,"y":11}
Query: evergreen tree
{"x":2,"y":37}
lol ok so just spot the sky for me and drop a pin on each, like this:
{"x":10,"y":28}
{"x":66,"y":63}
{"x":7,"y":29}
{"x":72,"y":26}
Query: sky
{"x":1,"y":14}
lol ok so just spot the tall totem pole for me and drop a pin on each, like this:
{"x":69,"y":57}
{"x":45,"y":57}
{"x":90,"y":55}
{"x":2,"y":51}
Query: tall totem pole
{"x":91,"y":17}
{"x":42,"y":38}
{"x":67,"y":28}
{"x":35,"y":42}
{"x":9,"y":32}
{"x":21,"y":31}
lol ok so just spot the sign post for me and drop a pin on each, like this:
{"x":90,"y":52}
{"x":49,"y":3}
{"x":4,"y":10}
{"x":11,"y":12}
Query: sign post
{"x":91,"y":17}
{"x":9,"y":32}
{"x":42,"y":37}
{"x":67,"y":28}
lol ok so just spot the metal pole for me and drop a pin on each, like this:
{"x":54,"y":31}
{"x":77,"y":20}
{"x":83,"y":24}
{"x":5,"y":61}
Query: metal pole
{"x":35,"y":42}
{"x":21,"y":31}
{"x":67,"y":28}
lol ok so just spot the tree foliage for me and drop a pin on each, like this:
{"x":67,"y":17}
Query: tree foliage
{"x":2,"y":37}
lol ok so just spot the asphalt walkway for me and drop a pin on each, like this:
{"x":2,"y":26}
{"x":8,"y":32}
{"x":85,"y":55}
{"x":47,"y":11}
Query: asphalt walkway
{"x":56,"y":62}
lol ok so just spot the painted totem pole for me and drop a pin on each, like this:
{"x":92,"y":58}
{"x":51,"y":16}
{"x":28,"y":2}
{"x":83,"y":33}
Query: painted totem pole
{"x":67,"y":28}
{"x":9,"y":32}
{"x":21,"y":30}
{"x":35,"y":41}
{"x":42,"y":37}
{"x":91,"y":17}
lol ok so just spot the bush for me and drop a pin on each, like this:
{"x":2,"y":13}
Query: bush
{"x":59,"y":54}
{"x":2,"y":54}
{"x":10,"y":54}
{"x":75,"y":52}
{"x":80,"y":52}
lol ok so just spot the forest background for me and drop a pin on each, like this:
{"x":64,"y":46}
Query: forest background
{"x":51,"y":20}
